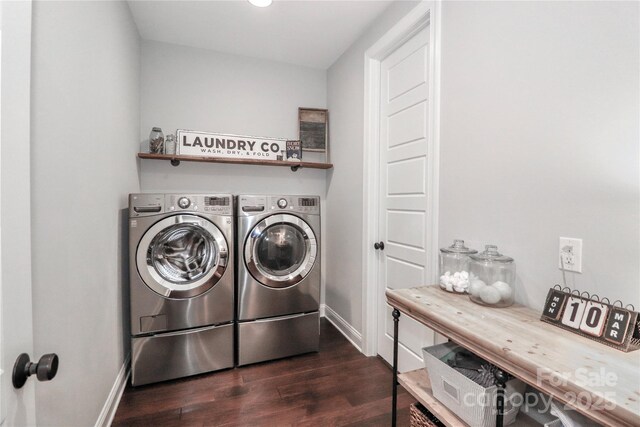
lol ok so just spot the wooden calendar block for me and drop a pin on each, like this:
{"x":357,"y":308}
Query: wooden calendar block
{"x":572,"y":316}
{"x":594,"y":318}
{"x":554,"y":305}
{"x":616,"y":328}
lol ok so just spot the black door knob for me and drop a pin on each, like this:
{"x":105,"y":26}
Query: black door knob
{"x":45,"y":369}
{"x":379,"y":245}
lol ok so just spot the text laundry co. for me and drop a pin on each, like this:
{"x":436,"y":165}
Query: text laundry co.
{"x":207,"y":144}
{"x":230,"y":144}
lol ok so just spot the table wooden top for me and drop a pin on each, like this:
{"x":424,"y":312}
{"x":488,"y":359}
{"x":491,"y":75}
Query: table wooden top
{"x":599,"y":381}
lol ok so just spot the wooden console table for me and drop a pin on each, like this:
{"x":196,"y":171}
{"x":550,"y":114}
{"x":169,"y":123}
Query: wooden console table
{"x":605,"y":381}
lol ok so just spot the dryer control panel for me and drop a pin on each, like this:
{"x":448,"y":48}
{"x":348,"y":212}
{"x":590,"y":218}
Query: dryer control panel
{"x":255,"y":205}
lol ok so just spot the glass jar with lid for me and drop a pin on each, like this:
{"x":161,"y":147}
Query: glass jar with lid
{"x":156,"y":141}
{"x":492,"y":278}
{"x":454,"y":267}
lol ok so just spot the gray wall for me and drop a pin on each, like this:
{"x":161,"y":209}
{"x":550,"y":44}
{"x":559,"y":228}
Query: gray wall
{"x":540,"y":121}
{"x":345,"y":86}
{"x":199,"y":89}
{"x":539,"y":139}
{"x":85,"y":127}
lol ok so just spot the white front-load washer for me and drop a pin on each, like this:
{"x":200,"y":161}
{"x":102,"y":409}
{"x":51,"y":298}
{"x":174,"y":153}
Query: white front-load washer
{"x":278,"y":276}
{"x":181,"y":255}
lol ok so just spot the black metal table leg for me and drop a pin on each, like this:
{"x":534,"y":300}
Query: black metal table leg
{"x":501,"y":381}
{"x":394,"y":401}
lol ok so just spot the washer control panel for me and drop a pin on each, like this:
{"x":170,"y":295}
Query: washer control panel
{"x":219,"y":204}
{"x":153,"y":204}
{"x":308,"y":204}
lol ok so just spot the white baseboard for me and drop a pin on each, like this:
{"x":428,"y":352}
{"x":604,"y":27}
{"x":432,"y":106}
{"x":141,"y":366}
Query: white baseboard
{"x":111,"y":405}
{"x":342,"y":325}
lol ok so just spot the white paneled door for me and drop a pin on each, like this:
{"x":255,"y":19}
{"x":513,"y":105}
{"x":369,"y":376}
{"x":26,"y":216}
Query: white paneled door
{"x":403,"y":202}
{"x":17,"y":406}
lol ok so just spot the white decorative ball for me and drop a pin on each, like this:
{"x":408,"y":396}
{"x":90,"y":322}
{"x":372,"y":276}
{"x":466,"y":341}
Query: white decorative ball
{"x":475,"y":286}
{"x":490,"y":295}
{"x":506,"y":293}
{"x":460,"y":288}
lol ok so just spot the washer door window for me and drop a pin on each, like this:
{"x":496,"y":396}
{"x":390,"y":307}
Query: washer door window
{"x":280,"y":251}
{"x":182,"y":256}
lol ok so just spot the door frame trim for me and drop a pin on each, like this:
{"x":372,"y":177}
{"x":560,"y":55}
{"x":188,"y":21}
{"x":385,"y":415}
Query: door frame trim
{"x":426,"y":13}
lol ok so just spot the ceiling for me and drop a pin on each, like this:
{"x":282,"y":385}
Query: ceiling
{"x":308,"y":33}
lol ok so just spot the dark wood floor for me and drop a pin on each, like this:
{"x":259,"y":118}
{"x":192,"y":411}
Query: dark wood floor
{"x":336,"y":387}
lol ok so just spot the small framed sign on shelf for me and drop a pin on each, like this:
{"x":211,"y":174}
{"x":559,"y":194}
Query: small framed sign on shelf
{"x":294,"y":151}
{"x":313,"y":127}
{"x":592,"y":317}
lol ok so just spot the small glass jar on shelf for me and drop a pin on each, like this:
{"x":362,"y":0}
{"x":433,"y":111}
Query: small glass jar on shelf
{"x":454,"y":267}
{"x":170,"y":144}
{"x":492,"y":278}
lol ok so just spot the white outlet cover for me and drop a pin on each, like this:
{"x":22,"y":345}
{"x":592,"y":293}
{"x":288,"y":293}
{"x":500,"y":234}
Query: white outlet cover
{"x":576,"y":244}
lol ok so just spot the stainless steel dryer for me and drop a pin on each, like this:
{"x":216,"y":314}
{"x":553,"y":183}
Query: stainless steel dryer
{"x":278,"y":276}
{"x":181,"y":250}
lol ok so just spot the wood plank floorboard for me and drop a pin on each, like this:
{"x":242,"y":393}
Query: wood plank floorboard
{"x":338,"y":386}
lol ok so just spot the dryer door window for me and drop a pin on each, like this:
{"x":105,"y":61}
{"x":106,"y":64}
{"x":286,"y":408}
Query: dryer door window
{"x":182,"y":256}
{"x":281,"y":250}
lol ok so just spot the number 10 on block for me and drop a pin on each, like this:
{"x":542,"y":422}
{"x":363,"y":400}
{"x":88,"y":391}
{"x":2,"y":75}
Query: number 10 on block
{"x":573,"y":312}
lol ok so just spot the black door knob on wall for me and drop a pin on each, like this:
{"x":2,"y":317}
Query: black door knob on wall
{"x":379,"y":245}
{"x":45,"y":369}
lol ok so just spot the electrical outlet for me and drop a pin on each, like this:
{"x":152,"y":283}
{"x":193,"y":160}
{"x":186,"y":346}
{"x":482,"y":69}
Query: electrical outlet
{"x":570,"y":254}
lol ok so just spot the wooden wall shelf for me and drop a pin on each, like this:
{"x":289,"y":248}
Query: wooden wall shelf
{"x":176,"y":159}
{"x":515,"y":340}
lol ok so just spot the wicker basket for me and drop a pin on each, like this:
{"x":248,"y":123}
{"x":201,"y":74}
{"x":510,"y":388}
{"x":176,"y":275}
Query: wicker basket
{"x":419,"y":416}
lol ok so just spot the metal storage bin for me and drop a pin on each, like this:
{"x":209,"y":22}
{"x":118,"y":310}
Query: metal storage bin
{"x":473,"y":403}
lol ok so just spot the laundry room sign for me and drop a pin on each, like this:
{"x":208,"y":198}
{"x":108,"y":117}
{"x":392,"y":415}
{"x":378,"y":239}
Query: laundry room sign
{"x":206,"y":144}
